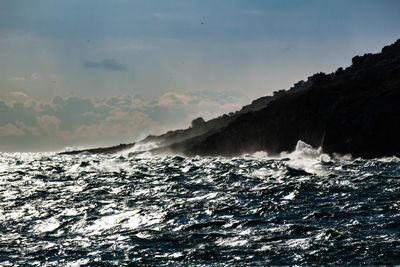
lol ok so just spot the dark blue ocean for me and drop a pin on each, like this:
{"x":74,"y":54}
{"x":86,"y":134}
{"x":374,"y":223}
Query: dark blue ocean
{"x":303,"y":208}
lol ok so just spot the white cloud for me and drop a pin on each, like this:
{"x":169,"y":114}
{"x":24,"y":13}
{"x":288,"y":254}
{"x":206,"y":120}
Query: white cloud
{"x":35,"y":76}
{"x":28,"y":130}
{"x":19,"y":94}
{"x":50,"y":124}
{"x":10,"y":130}
{"x":107,"y":121}
{"x":171,"y":99}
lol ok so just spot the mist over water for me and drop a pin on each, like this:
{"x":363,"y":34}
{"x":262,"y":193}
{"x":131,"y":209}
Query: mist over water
{"x":302,"y":208}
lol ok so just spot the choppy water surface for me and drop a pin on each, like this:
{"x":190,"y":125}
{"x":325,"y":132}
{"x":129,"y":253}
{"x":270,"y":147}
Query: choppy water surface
{"x":304,"y":209}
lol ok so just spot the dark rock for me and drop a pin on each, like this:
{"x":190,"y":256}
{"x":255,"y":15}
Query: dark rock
{"x":100,"y":150}
{"x":198,"y":122}
{"x":354,"y":111}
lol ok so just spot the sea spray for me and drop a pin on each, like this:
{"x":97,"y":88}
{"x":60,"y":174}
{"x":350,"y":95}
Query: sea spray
{"x":308,"y":159}
{"x":299,"y":209}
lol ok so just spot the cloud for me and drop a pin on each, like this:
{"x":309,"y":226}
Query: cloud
{"x":10,"y":130}
{"x":35,"y":76}
{"x":19,"y":94}
{"x":17,"y":78}
{"x":49,"y":124}
{"x":18,"y":111}
{"x":27,"y":129}
{"x":107,"y":64}
{"x":28,"y":125}
{"x":91,"y":64}
{"x":111,"y":64}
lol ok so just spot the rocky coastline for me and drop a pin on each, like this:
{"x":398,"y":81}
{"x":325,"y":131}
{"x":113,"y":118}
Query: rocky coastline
{"x":354,"y":111}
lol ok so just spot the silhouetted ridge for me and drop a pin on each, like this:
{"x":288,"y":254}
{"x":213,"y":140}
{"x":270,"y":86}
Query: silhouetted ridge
{"x":100,"y":150}
{"x":354,"y":110}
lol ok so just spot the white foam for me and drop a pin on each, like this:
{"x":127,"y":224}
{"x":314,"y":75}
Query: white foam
{"x":343,"y":157}
{"x":389,"y":159}
{"x":141,"y":147}
{"x":291,"y":196}
{"x":305,"y":150}
{"x":262,"y":172}
{"x":47,"y":225}
{"x":300,"y":243}
{"x":260,"y":154}
{"x":231,"y":242}
{"x":206,"y":196}
{"x":308,"y":159}
{"x":72,"y":148}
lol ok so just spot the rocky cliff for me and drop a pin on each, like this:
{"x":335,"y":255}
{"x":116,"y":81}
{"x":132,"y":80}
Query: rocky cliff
{"x":351,"y":111}
{"x":354,"y":110}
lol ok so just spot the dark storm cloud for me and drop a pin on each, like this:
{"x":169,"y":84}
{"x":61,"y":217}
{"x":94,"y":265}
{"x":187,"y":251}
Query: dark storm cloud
{"x":107,"y":64}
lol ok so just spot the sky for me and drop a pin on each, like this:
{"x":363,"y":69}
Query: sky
{"x":88,"y":73}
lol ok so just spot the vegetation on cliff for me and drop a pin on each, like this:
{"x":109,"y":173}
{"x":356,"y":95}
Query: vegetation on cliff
{"x":351,"y":111}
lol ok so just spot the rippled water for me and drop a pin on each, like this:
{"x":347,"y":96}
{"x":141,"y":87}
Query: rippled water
{"x":304,"y":208}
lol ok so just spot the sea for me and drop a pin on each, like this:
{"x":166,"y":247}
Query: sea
{"x":301,"y":208}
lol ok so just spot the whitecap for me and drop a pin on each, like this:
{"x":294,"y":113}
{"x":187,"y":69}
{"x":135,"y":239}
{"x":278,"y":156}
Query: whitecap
{"x":290,"y":196}
{"x":308,"y":159}
{"x":141,"y":147}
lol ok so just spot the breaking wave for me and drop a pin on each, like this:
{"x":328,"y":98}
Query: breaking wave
{"x":302,"y":208}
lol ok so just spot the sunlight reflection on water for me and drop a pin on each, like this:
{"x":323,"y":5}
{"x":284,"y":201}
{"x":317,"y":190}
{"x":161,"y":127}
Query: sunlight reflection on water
{"x":92,"y":209}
